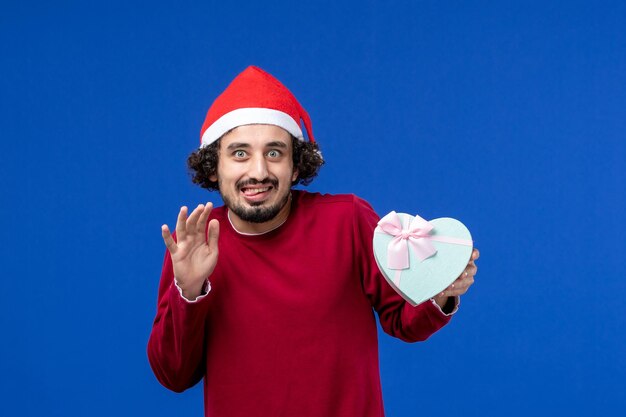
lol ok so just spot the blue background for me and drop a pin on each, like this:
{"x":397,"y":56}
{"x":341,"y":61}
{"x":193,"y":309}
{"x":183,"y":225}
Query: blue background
{"x":510,"y":116}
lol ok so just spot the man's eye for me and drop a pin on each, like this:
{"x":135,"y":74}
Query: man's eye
{"x":273,"y":154}
{"x":239,"y":154}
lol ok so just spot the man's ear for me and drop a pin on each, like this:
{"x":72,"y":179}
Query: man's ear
{"x":294,"y":176}
{"x":213,"y":177}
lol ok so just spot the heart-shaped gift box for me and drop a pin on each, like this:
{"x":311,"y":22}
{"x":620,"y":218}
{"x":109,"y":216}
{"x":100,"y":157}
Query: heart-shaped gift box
{"x":418,"y":258}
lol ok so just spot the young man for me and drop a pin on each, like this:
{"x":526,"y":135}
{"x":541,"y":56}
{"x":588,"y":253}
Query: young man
{"x":270,"y":298}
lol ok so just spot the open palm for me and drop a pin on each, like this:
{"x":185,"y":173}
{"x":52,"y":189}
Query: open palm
{"x":194,"y":252}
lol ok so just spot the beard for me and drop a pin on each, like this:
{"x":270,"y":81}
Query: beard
{"x":256,"y":213}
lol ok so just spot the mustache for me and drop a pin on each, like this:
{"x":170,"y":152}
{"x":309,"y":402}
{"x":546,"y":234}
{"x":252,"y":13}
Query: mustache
{"x":252,"y":181}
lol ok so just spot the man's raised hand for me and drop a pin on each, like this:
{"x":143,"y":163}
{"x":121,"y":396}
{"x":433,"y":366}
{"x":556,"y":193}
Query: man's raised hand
{"x":194,"y":253}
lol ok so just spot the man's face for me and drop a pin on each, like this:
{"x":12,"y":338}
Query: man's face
{"x":255,"y":172}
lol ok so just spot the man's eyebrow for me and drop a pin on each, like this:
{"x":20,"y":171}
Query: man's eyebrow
{"x":237,"y":145}
{"x":273,"y":144}
{"x":276,"y":144}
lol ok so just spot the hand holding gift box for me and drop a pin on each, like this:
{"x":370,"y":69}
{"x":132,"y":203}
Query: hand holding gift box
{"x":420,"y":259}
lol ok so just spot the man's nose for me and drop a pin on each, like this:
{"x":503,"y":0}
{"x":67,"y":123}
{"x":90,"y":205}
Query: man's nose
{"x":258,"y":168}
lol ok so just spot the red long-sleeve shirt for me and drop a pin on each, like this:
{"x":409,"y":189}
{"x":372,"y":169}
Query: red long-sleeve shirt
{"x":288,"y":327}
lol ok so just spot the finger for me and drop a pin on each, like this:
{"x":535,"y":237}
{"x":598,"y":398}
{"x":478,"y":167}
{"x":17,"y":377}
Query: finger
{"x":170,"y":244}
{"x":465,"y":273}
{"x":475,"y":254}
{"x":462,"y":283}
{"x":214,"y":233}
{"x":458,"y":288}
{"x":466,"y":284}
{"x":452,"y":288}
{"x":470,"y":269}
{"x":201,"y":226}
{"x":181,"y":228}
{"x":192,"y":221}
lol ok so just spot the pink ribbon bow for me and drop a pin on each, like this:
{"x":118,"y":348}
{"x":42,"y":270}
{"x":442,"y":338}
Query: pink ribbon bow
{"x":417,"y":236}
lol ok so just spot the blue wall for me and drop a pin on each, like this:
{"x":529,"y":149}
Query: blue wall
{"x":510,"y":116}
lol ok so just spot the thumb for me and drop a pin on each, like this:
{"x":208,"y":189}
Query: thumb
{"x":168,"y":239}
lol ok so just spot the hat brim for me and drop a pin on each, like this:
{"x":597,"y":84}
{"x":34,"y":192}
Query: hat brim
{"x":249,"y":116}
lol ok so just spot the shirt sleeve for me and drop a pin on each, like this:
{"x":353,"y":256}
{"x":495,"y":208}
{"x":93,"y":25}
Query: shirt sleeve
{"x":397,"y":317}
{"x":455,"y":308}
{"x":205,"y":291}
{"x":177,"y":341}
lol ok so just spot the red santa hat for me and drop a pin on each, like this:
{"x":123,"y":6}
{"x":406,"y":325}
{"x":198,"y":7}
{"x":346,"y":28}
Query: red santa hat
{"x":254,"y":97}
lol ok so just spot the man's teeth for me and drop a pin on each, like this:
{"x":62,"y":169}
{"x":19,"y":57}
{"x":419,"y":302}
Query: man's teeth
{"x":254,"y":191}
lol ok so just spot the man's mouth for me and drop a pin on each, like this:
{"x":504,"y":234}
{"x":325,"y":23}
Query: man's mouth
{"x":252,"y":191}
{"x":257,"y":191}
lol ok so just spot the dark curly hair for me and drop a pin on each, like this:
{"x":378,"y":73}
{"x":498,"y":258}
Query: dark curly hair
{"x":306,"y":156}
